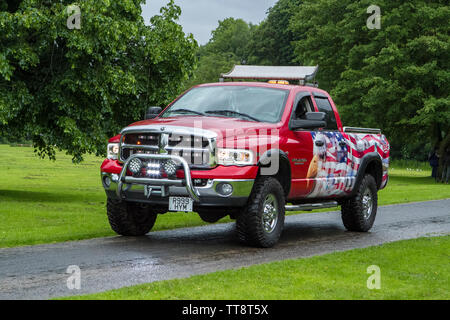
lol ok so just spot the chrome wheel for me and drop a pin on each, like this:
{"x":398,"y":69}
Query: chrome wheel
{"x":270,"y":213}
{"x":367,"y":204}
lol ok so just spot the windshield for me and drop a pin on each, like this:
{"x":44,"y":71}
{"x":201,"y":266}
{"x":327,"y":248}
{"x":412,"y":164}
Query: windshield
{"x":248,"y":103}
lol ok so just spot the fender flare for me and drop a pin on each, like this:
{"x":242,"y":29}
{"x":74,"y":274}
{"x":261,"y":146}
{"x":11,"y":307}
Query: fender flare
{"x":269,"y":153}
{"x":287,"y":176}
{"x":366,"y":161}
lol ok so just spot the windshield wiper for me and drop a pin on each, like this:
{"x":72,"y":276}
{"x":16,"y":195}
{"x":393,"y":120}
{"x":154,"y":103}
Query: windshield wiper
{"x":226,"y":112}
{"x":187,"y":111}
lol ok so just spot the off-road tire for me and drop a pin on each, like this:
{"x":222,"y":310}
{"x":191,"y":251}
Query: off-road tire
{"x":249,"y":222}
{"x":129,"y":218}
{"x":354,"y":216}
{"x":211,"y":215}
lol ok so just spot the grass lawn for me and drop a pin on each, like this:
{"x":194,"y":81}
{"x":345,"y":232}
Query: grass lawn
{"x":411,"y":269}
{"x":44,"y":201}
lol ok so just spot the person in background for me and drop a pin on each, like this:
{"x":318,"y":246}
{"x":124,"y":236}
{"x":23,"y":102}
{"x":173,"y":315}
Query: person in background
{"x":446,"y":168}
{"x":433,"y":159}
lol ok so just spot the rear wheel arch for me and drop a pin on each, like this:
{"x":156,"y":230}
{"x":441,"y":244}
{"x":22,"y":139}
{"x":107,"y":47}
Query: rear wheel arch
{"x":370,"y":164}
{"x":375,"y":169}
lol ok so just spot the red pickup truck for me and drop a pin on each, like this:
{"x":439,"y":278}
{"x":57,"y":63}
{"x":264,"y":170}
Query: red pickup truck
{"x":248,"y":150}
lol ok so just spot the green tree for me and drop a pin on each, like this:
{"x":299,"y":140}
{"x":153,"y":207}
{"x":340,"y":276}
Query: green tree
{"x":237,"y":42}
{"x":227,"y":47}
{"x":232,"y":37}
{"x":271,"y":41}
{"x":71,"y":89}
{"x":396,"y":77}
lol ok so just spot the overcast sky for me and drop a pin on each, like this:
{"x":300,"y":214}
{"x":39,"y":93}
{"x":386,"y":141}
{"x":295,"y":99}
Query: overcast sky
{"x":200,"y":17}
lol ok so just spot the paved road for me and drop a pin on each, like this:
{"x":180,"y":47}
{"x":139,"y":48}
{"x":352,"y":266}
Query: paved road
{"x":39,"y":272}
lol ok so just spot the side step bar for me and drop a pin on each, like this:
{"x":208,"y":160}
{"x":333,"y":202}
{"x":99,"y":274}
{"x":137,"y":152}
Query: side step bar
{"x":311,"y":206}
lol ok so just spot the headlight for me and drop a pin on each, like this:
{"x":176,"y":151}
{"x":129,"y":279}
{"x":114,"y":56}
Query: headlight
{"x":113,"y":151}
{"x":230,"y":157}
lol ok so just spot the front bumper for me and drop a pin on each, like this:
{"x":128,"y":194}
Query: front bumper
{"x":157,"y":191}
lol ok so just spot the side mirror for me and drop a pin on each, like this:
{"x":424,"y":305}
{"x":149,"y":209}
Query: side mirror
{"x":314,"y":120}
{"x":152,"y":112}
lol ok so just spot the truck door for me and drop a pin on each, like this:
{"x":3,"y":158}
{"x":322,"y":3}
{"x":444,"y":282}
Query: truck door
{"x":331,"y":150}
{"x":300,"y":146}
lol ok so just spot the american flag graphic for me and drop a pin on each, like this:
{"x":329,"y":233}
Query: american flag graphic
{"x":340,"y":158}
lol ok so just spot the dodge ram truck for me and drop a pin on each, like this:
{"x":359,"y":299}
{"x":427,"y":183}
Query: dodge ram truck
{"x":246,"y":149}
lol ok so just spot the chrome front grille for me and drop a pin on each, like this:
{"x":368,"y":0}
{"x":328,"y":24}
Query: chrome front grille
{"x":139,"y":143}
{"x":187,"y":141}
{"x":196,"y":150}
{"x":145,"y":139}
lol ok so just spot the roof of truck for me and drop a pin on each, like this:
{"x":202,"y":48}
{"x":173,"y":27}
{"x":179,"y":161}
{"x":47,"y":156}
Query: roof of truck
{"x":289,"y":87}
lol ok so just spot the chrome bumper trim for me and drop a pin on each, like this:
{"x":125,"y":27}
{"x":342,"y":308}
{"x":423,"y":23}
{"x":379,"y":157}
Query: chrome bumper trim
{"x":164,"y":188}
{"x":187,"y":182}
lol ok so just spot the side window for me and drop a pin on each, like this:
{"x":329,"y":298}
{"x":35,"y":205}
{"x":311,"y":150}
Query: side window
{"x":324,"y":106}
{"x":303,"y":106}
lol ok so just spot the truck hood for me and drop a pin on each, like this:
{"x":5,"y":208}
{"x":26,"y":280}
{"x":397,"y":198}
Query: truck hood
{"x":208,"y":123}
{"x":227,"y":129}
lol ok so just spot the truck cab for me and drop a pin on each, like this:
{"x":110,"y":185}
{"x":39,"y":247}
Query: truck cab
{"x":248,"y":150}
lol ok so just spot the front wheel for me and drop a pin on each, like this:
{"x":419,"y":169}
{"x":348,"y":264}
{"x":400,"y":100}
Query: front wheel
{"x":211,"y":215}
{"x":358,"y":212}
{"x":130,"y":219}
{"x":261,"y":222}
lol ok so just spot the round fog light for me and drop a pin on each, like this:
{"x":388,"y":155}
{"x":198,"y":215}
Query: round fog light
{"x":224,"y":189}
{"x":170,"y":167}
{"x":135,"y":166}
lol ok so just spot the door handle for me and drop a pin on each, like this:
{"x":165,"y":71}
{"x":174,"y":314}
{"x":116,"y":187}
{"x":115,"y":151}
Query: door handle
{"x":343,"y":144}
{"x":320,"y":143}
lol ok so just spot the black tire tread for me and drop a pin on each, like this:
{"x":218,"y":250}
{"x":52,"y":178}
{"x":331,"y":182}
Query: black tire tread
{"x":352,"y":210}
{"x":248,"y":223}
{"x":211,"y":216}
{"x":130,"y":219}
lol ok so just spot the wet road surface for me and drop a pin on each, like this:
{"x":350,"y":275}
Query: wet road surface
{"x":39,"y":272}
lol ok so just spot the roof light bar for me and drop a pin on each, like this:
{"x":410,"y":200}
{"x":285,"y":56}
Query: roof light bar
{"x":272,"y":73}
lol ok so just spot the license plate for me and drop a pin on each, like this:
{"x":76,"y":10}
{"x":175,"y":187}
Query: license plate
{"x":182,"y":204}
